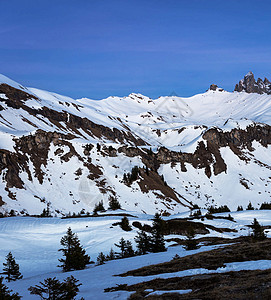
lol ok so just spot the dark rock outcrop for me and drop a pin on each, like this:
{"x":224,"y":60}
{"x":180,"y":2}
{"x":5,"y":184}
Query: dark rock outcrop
{"x":207,"y":155}
{"x":250,"y":85}
{"x":16,"y":99}
{"x":214,"y":87}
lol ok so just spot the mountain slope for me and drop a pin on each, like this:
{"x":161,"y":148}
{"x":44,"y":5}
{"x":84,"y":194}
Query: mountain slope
{"x":209,"y":149}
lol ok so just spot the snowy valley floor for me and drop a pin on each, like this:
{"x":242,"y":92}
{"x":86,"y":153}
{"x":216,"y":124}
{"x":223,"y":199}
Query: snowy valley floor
{"x":35,"y":242}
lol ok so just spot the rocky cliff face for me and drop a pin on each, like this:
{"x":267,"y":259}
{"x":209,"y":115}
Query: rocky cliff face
{"x":250,"y":85}
{"x":69,"y":155}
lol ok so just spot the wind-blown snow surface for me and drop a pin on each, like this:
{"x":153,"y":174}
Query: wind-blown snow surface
{"x":173,"y":122}
{"x":35,"y":242}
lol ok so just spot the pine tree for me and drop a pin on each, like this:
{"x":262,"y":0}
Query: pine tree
{"x":157,"y":238}
{"x":70,"y":288}
{"x":129,"y":251}
{"x":134,"y":174}
{"x":46,"y":212}
{"x":122,"y":246}
{"x":99,"y":207}
{"x":126,"y":249}
{"x":75,"y":257}
{"x":143,"y":242}
{"x":124,"y":224}
{"x":5,"y":293}
{"x":53,"y":289}
{"x":239,"y":208}
{"x":111,"y":255}
{"x":258,"y":231}
{"x":101,"y":259}
{"x":11,"y":268}
{"x":250,"y":207}
{"x":190,"y":242}
{"x":50,"y":289}
{"x":114,"y":203}
{"x":125,"y":180}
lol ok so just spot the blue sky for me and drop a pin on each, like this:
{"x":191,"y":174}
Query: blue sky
{"x":100,"y":48}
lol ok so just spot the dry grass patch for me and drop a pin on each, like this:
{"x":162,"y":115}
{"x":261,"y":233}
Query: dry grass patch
{"x":242,"y":285}
{"x":213,"y":259}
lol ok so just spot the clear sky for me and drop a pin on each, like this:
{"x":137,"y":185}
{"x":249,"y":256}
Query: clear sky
{"x":100,"y":48}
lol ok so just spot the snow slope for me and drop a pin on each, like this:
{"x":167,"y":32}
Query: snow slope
{"x":173,"y":122}
{"x":34,"y":243}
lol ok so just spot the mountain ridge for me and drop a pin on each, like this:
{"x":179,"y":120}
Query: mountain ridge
{"x":70,"y":154}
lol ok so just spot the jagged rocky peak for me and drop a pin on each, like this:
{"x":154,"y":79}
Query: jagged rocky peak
{"x":214,"y":87}
{"x":250,"y":85}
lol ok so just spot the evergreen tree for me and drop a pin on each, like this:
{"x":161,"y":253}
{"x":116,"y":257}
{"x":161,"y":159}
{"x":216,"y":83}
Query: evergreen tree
{"x":124,"y":224}
{"x":258,"y":231}
{"x":99,"y":207}
{"x":125,"y":180}
{"x":265,"y":205}
{"x":75,"y":257}
{"x":129,"y":251}
{"x":111,"y":255}
{"x":240,"y":208}
{"x":70,"y":288}
{"x":190,"y":242}
{"x":143,"y":242}
{"x":53,"y":289}
{"x":220,"y":209}
{"x":46,"y":212}
{"x":50,"y":289}
{"x":126,"y":249}
{"x":11,"y":268}
{"x":5,"y":293}
{"x":195,"y":214}
{"x":122,"y":246}
{"x":101,"y":259}
{"x":134,"y":174}
{"x":157,"y":238}
{"x":114,"y":203}
{"x":250,"y":207}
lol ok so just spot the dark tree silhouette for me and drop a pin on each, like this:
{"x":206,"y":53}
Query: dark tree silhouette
{"x":124,"y":224}
{"x":75,"y":257}
{"x":114,"y":203}
{"x":143,"y":242}
{"x":99,"y":207}
{"x":157,"y":234}
{"x":111,"y":255}
{"x":258,"y":231}
{"x":6,"y":294}
{"x":190,"y":242}
{"x":53,"y":289}
{"x":11,"y":268}
{"x":250,"y":207}
{"x":126,"y":249}
{"x":101,"y":259}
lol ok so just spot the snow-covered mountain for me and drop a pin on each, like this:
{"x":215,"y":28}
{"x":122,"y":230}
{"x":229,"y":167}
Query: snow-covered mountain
{"x":209,"y":149}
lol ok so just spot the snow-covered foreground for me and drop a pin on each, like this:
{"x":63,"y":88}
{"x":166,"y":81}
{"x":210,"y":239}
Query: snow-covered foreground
{"x":35,"y":242}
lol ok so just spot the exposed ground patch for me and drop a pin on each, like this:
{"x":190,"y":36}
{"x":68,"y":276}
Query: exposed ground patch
{"x":242,"y":251}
